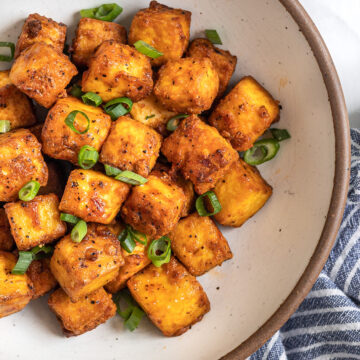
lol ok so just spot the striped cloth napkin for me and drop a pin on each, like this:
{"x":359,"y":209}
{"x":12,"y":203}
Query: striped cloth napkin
{"x":327,"y":323}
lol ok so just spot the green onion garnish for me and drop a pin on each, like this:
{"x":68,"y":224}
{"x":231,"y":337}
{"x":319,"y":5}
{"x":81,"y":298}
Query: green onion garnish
{"x":115,"y":108}
{"x":79,"y":231}
{"x":150,"y":116}
{"x":213,"y":36}
{"x":128,"y":238}
{"x":174,"y":122}
{"x":111,"y":170}
{"x":71,"y":219}
{"x":29,"y":191}
{"x":105,"y":12}
{"x":146,"y":49}
{"x":280,"y":134}
{"x":12,"y":51}
{"x":159,"y":251}
{"x":5,"y":126}
{"x":131,"y":178}
{"x":76,"y":91}
{"x":91,"y":98}
{"x":262,"y":151}
{"x":88,"y":157}
{"x":69,"y":121}
{"x":214,"y":202}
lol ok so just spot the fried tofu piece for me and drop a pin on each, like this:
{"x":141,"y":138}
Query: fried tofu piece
{"x":164,"y":28}
{"x":93,"y":196}
{"x":61,"y":142}
{"x":245,"y":113}
{"x":15,"y":290}
{"x":117,"y":70}
{"x":171,"y":297}
{"x":222,"y":60}
{"x":86,"y":314}
{"x":198,"y":244}
{"x":55,"y":184}
{"x":91,"y":33}
{"x":188,"y":85}
{"x":4,"y":78}
{"x":241,"y":192}
{"x":131,"y":146}
{"x":199,"y":152}
{"x":81,"y":268}
{"x":21,"y":161}
{"x":42,"y":73}
{"x":155,"y":207}
{"x":35,"y":222}
{"x":6,"y":239}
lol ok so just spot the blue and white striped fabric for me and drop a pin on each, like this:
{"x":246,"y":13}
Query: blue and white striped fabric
{"x":327,"y":324}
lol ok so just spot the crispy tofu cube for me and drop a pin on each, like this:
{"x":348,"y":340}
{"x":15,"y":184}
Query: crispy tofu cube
{"x":245,"y":113}
{"x":4,"y":78}
{"x":35,"y":222}
{"x":81,"y":268}
{"x":91,"y":33}
{"x":6,"y":239}
{"x":164,"y":28}
{"x":42,"y":73}
{"x":86,"y":314}
{"x":222,"y":60}
{"x":155,"y":207}
{"x":188,"y":85}
{"x":132,"y":146}
{"x":55,"y":184}
{"x":198,"y":244}
{"x":39,"y":28}
{"x":21,"y":161}
{"x":93,"y":196}
{"x":117,"y":70}
{"x":61,"y":142}
{"x":15,"y":290}
{"x":171,"y":297}
{"x":241,"y":192}
{"x":200,"y":152}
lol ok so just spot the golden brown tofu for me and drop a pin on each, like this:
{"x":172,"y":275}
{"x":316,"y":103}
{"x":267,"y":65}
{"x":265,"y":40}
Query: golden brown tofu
{"x":171,"y":297}
{"x":90,"y":33}
{"x":86,"y":314}
{"x":198,"y":244}
{"x":222,"y":60}
{"x":241,"y":192}
{"x":42,"y":73}
{"x":81,"y":268}
{"x":39,"y":28}
{"x":35,"y":222}
{"x":164,"y":28}
{"x":245,"y":113}
{"x":131,"y":146}
{"x":93,"y":196}
{"x":200,"y":152}
{"x":187,"y":85}
{"x":15,"y":290}
{"x":36,"y":130}
{"x":41,"y":277}
{"x":55,"y":184}
{"x":117,"y":70}
{"x":4,"y":78}
{"x":61,"y":142}
{"x":155,"y":207}
{"x":21,"y":161}
{"x":6,"y":239}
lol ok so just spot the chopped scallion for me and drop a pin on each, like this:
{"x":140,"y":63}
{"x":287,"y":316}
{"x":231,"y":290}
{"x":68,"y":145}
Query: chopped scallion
{"x":159,"y":251}
{"x":79,"y":231}
{"x":118,"y":107}
{"x":213,"y":36}
{"x":131,"y":178}
{"x":10,"y":45}
{"x":146,"y":49}
{"x":87,"y":157}
{"x":91,"y":98}
{"x":70,"y":119}
{"x":201,"y":206}
{"x":105,"y":12}
{"x":5,"y":126}
{"x":29,"y":191}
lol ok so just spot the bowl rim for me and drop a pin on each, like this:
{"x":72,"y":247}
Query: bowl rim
{"x":339,"y":192}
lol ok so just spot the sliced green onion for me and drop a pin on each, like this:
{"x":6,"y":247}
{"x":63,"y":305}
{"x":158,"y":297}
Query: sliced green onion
{"x":126,"y":241}
{"x":111,"y":170}
{"x":105,"y":12}
{"x":174,"y":122}
{"x":69,"y":121}
{"x":12,"y":51}
{"x":69,"y":218}
{"x":150,"y":116}
{"x":115,"y":109}
{"x":213,"y":36}
{"x":262,"y":151}
{"x":131,"y":178}
{"x":79,"y":231}
{"x":137,"y":235}
{"x":214,"y":202}
{"x":133,"y":321}
{"x":280,"y":134}
{"x":92,"y":99}
{"x":159,"y":251}
{"x":146,"y":49}
{"x":76,"y":91}
{"x":29,"y":191}
{"x":5,"y":126}
{"x":41,"y":252}
{"x":88,"y":157}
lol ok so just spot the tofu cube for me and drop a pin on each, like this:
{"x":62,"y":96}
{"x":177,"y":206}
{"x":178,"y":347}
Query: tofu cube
{"x":86,"y":314}
{"x":4,"y":78}
{"x":117,"y":70}
{"x":61,"y":142}
{"x":15,"y":290}
{"x":56,"y":180}
{"x":245,"y":113}
{"x":164,"y":28}
{"x":21,"y":161}
{"x":93,"y":196}
{"x":241,"y":192}
{"x":199,"y":152}
{"x":132,"y":146}
{"x":91,"y":33}
{"x":81,"y":268}
{"x":42,"y":73}
{"x":35,"y":222}
{"x":171,"y":297}
{"x":6,"y":239}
